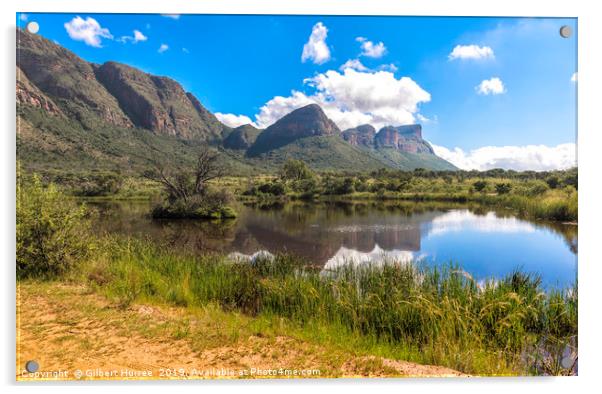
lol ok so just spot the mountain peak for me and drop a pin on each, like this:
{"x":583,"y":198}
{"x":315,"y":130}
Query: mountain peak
{"x":307,"y":121}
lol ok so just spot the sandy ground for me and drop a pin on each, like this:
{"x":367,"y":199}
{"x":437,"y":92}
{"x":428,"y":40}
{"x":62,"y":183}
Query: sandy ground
{"x":73,"y":333}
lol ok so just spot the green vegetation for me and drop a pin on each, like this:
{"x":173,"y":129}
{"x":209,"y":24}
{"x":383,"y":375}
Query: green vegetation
{"x":430,"y":315}
{"x":188,"y":194}
{"x":51,"y":231}
{"x":527,"y":193}
{"x":407,"y":311}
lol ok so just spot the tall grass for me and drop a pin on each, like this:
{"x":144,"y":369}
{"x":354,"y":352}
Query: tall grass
{"x":441,"y":314}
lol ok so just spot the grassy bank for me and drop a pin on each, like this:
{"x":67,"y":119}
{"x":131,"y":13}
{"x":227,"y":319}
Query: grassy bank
{"x":410,"y":312}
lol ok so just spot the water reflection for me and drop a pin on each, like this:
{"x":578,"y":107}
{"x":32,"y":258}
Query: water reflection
{"x":485,"y":243}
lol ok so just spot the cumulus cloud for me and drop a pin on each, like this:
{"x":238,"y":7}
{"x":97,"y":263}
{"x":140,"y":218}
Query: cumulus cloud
{"x":491,"y":86}
{"x":355,"y":64}
{"x":135,"y":38}
{"x":163,"y":48}
{"x":316,"y":49}
{"x":233,"y":120}
{"x":370,"y":49}
{"x":279,"y":106}
{"x":352,"y":98}
{"x":171,"y":16}
{"x":520,"y":158}
{"x":574,"y":77}
{"x":87,"y":30}
{"x":474,"y":52}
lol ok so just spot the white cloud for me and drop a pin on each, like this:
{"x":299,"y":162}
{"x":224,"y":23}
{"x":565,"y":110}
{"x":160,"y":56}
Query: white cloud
{"x":388,"y":67}
{"x":471,"y":52}
{"x":279,"y":106}
{"x":520,"y":158}
{"x":88,"y":31}
{"x":316,"y":49}
{"x":135,"y":38}
{"x":233,"y":120}
{"x":355,"y":64}
{"x":171,"y":16}
{"x":491,"y":86}
{"x":163,"y":48}
{"x":352,"y":98}
{"x":138,"y":36}
{"x":23,"y":17}
{"x":371,"y":49}
{"x":574,"y":77}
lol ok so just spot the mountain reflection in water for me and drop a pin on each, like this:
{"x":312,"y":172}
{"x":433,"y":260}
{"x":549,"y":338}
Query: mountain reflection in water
{"x":484,"y":243}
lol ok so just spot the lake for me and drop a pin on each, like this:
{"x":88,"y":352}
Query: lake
{"x":484,"y":242}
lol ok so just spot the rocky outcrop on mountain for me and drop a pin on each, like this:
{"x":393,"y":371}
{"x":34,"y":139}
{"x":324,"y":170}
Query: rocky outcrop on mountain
{"x":66,"y":79}
{"x":360,"y":136}
{"x":158,"y":103}
{"x":29,"y":94}
{"x":241,"y":137}
{"x":404,"y":138}
{"x":308,"y":121}
{"x":116,"y":93}
{"x":407,"y":138}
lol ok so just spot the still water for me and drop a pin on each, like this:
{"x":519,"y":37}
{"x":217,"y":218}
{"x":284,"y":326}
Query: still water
{"x":485,"y":243}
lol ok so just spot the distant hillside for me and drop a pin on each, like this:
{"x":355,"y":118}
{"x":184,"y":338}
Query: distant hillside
{"x":326,"y":152}
{"x":73,"y":115}
{"x":242,"y":137}
{"x":308,"y":121}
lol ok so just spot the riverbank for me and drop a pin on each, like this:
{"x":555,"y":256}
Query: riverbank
{"x":529,"y":195}
{"x":399,"y":312}
{"x":66,"y":326}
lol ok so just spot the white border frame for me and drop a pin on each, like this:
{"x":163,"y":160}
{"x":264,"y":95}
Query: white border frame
{"x":589,"y":144}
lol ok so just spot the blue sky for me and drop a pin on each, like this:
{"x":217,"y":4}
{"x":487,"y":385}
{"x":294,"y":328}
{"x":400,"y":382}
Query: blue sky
{"x":508,"y":85}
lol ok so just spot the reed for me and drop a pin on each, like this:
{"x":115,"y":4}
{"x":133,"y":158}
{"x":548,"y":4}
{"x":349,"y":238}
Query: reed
{"x":435,"y":315}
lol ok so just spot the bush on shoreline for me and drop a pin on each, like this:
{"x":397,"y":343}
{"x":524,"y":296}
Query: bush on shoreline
{"x":52,"y":231}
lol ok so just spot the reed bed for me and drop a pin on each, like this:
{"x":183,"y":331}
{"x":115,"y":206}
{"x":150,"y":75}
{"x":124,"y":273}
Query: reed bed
{"x":438,"y":315}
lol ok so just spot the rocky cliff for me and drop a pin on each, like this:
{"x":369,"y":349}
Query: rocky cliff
{"x":404,"y":138}
{"x":360,"y":136}
{"x":112,"y":93}
{"x":158,"y":103}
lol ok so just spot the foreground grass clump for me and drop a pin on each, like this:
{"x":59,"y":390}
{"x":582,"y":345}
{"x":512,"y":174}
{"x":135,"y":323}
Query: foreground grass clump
{"x":425,"y":314}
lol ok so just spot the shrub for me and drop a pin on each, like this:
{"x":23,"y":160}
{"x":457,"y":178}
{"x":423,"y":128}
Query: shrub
{"x":51,"y":231}
{"x":479,"y":186}
{"x":295,"y":170}
{"x":503,"y":188}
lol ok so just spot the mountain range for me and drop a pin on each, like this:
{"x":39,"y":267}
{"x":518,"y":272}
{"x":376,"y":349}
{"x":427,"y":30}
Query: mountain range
{"x":75,"y":115}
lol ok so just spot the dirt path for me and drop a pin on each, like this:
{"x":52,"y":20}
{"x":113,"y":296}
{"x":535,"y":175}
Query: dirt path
{"x":75,"y":334}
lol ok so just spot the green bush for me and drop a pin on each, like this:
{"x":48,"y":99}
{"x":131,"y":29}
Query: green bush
{"x":52,"y":231}
{"x":212,"y":204}
{"x":479,"y":186}
{"x":503,"y":188}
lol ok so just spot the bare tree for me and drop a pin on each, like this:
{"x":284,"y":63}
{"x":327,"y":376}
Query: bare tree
{"x":207,"y":168}
{"x":183,"y":183}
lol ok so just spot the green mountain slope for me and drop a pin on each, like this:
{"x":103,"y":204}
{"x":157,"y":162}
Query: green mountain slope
{"x":327,"y":152}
